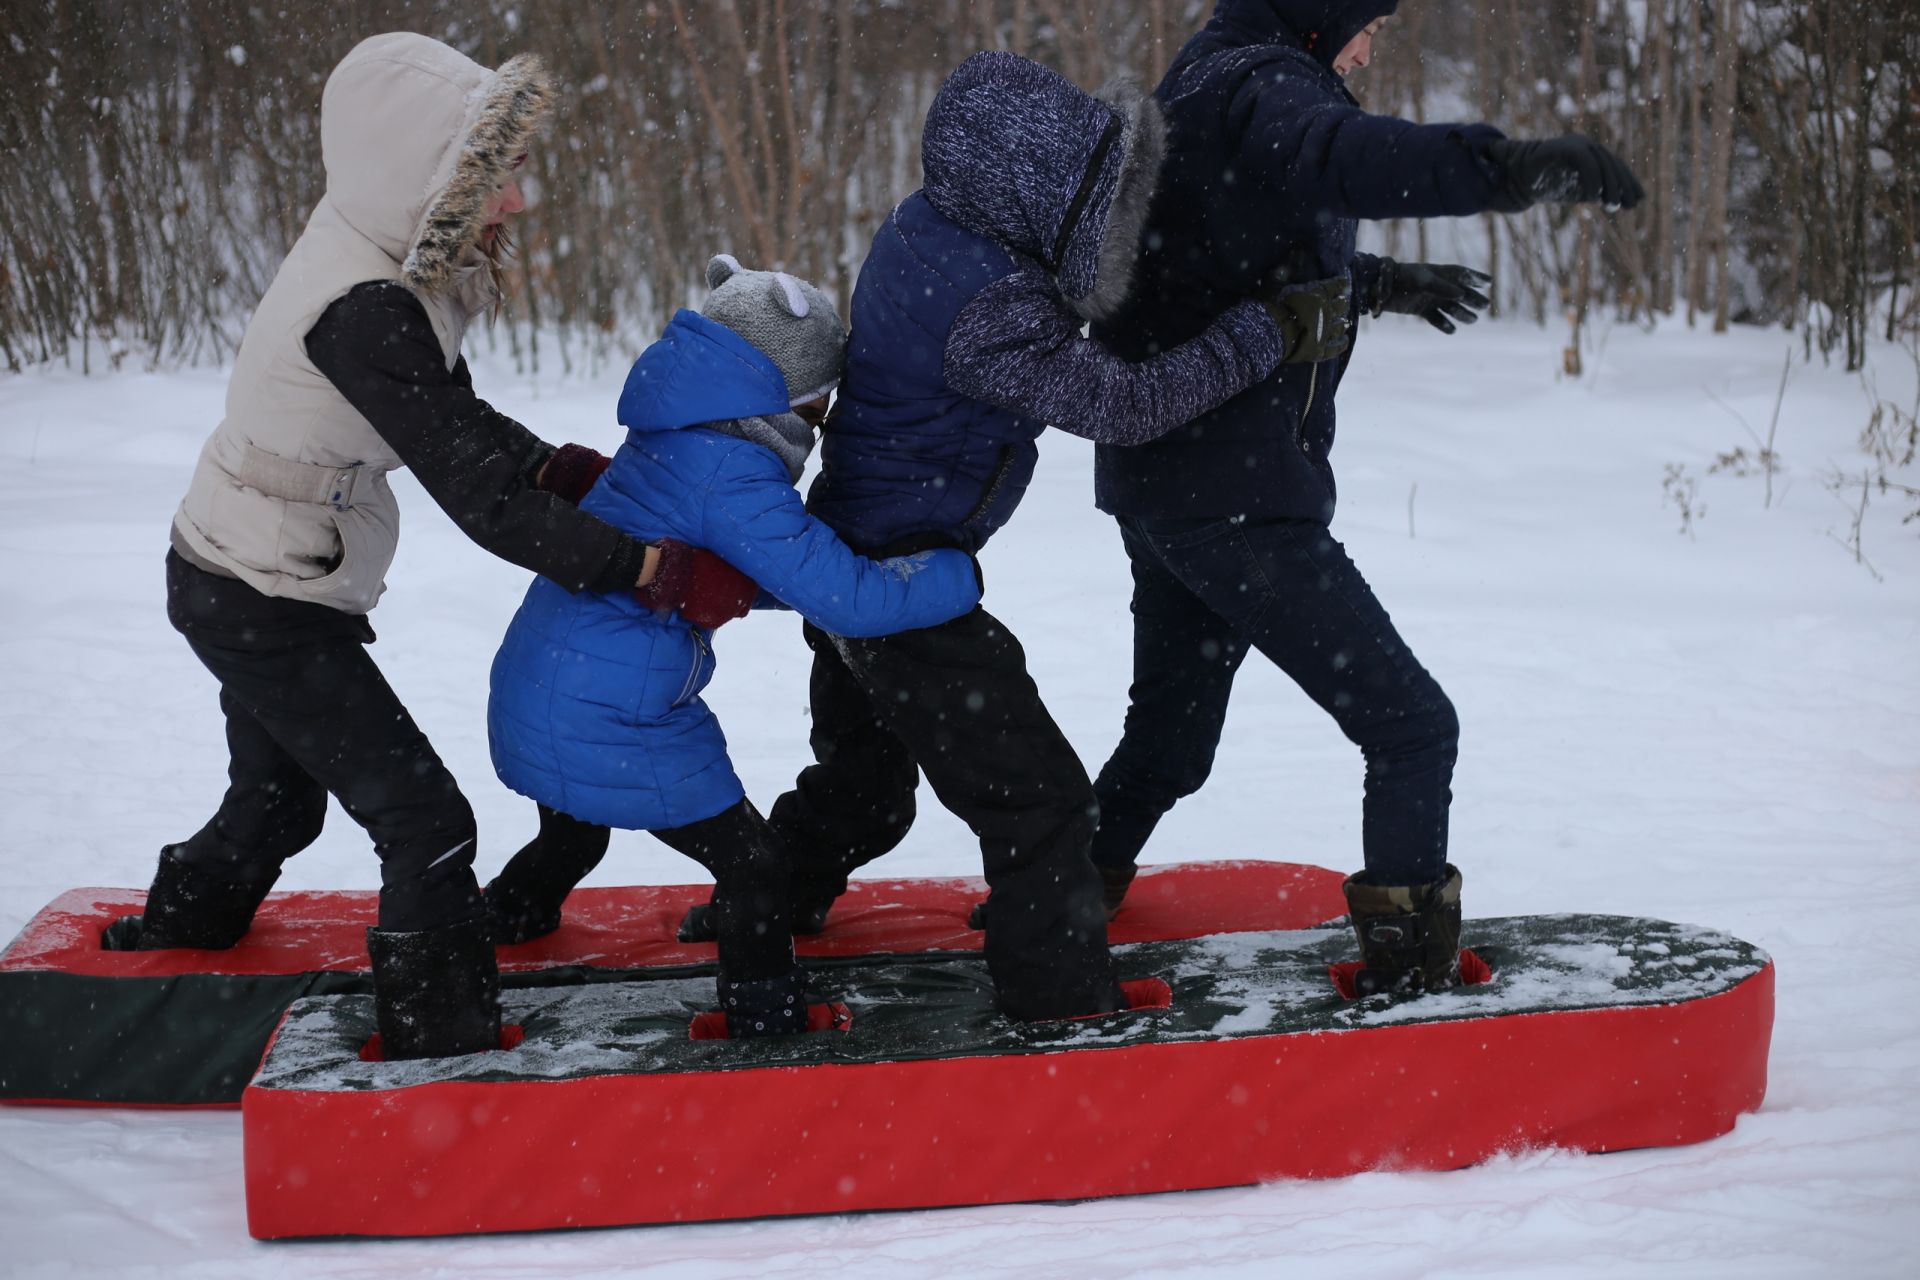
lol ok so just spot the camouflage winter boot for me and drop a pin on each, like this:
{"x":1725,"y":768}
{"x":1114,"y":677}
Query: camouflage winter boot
{"x":1409,"y":934}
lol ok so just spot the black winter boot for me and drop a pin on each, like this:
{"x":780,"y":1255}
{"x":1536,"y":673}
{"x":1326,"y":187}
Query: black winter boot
{"x":436,"y":992}
{"x":1114,"y":883}
{"x":188,"y":907}
{"x":514,"y":916}
{"x":769,"y":1007}
{"x":700,"y":924}
{"x":1409,"y":934}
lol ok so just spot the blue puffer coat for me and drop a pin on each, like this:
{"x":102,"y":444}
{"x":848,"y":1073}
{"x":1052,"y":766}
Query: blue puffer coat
{"x":1270,"y":165}
{"x":596,"y":707}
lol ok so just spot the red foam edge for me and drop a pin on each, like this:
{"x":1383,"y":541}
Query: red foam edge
{"x":458,"y":1158}
{"x":633,"y":927}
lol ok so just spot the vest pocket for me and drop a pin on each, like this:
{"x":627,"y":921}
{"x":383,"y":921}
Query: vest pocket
{"x":365,"y":552}
{"x":991,"y":492}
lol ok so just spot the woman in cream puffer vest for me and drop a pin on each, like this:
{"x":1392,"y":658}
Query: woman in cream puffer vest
{"x":351,"y":368}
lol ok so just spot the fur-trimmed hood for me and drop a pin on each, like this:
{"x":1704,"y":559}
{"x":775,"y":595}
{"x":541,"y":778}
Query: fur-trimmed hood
{"x":417,"y":137}
{"x":1016,"y":152}
{"x":1322,"y":27}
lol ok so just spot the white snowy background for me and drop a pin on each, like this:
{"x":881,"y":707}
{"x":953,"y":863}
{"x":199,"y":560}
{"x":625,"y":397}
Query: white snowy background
{"x":1721,"y":729}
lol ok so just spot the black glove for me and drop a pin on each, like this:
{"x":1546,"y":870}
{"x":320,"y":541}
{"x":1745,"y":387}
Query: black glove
{"x":1570,"y":170}
{"x":1438,"y":295}
{"x":1312,"y":318}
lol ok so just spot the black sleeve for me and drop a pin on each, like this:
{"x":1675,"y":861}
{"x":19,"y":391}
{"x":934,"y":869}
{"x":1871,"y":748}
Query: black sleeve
{"x":1367,"y":279}
{"x":1335,"y":158}
{"x":379,"y":350}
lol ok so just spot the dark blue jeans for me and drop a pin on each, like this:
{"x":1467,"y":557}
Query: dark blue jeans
{"x":1207,"y":591}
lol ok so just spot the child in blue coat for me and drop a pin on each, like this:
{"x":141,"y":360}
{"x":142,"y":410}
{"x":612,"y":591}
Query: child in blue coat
{"x":596,"y":710}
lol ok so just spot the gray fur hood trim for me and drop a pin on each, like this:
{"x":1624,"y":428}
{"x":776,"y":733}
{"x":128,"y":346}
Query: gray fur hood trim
{"x":1143,"y":150}
{"x":1015,"y":152}
{"x":787,"y":434}
{"x":516,"y":101}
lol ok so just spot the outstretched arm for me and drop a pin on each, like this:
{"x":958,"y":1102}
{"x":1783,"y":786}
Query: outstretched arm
{"x":1017,"y":346}
{"x":1328,"y":157}
{"x":755,"y":520}
{"x":1332,"y":157}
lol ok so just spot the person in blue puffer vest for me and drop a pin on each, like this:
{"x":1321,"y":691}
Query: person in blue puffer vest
{"x":596,"y":710}
{"x":1271,"y":164}
{"x":967,"y":343}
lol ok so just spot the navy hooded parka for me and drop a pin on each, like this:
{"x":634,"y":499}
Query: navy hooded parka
{"x":1270,"y":165}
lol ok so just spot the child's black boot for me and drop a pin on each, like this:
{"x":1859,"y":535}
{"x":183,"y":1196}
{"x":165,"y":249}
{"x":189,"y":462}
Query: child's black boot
{"x":436,"y":992}
{"x":515,"y":916}
{"x":1409,"y":934}
{"x":189,"y":906}
{"x":1114,"y":883}
{"x":702,"y":921}
{"x":768,"y":1007}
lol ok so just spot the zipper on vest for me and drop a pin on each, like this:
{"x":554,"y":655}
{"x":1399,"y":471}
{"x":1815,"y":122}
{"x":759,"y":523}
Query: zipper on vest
{"x":1313,"y":385}
{"x":994,"y":484}
{"x":700,"y":652}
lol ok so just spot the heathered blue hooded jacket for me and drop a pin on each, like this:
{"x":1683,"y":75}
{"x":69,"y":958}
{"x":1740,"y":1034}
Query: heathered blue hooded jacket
{"x":1270,"y":165}
{"x":967,"y":317}
{"x":595,"y":708}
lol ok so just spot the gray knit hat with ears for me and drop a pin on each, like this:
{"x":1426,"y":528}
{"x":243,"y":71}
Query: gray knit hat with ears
{"x":793,"y":322}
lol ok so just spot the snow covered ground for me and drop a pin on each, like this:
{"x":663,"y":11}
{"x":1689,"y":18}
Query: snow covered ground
{"x":1722,"y":728}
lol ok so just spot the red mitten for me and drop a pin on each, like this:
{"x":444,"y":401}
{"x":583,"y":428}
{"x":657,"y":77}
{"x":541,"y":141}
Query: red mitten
{"x":706,"y":590}
{"x":571,"y":471}
{"x":717,"y":593}
{"x":672,"y":574}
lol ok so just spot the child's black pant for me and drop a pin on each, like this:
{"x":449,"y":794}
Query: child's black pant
{"x":753,"y":919}
{"x":308,"y":713}
{"x":956,"y":702}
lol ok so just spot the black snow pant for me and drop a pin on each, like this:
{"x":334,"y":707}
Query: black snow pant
{"x":1207,"y":591}
{"x":956,"y":702}
{"x":752,"y":911}
{"x":308,"y":714}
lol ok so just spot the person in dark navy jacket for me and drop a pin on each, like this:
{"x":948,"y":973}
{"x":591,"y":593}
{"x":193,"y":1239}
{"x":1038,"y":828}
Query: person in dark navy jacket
{"x":596,"y":710}
{"x":967,"y":342}
{"x":1271,"y":164}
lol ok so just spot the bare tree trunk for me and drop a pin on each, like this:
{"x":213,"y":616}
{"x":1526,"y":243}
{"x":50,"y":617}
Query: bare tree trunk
{"x":1666,"y":183}
{"x":1697,"y":155}
{"x":1726,"y":71}
{"x":1580,"y":300}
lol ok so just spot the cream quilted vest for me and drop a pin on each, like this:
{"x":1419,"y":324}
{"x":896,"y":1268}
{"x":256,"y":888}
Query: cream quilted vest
{"x":290,"y":494}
